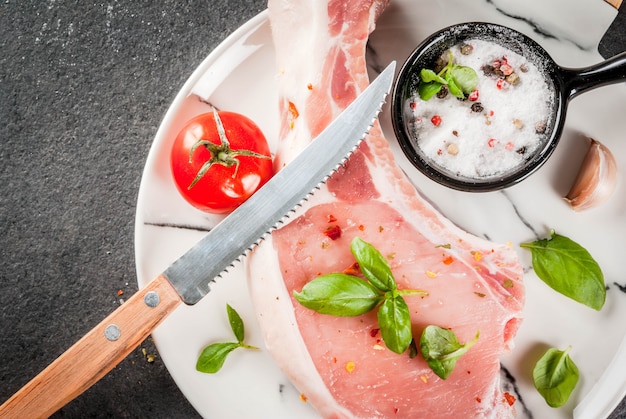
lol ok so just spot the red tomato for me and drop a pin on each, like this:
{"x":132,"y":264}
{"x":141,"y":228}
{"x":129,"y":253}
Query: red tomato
{"x":216,"y":174}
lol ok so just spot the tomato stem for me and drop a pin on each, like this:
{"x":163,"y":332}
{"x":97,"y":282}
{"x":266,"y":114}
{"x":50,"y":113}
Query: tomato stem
{"x":220,"y":154}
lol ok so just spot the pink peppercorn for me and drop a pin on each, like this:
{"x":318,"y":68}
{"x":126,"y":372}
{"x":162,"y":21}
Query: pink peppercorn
{"x":506,"y":69}
{"x":436,"y":120}
{"x":474,"y":95}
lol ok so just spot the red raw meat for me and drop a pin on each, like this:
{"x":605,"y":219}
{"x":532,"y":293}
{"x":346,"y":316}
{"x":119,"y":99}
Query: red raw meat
{"x":340,"y":365}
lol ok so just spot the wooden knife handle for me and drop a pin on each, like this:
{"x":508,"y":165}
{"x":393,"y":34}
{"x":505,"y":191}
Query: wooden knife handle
{"x":95,"y":354}
{"x":614,"y":3}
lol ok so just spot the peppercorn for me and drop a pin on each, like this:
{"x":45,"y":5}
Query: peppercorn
{"x":540,"y":127}
{"x":452,"y":149}
{"x":488,"y":70}
{"x":466,"y":49}
{"x":512,"y":78}
{"x":443,"y":92}
{"x":477,"y":107}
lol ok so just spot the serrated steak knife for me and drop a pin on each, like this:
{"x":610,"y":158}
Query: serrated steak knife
{"x":187,"y":280}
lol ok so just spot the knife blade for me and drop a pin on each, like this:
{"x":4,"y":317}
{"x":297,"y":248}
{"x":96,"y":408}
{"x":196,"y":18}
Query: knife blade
{"x":187,"y":279}
{"x":276,"y":199}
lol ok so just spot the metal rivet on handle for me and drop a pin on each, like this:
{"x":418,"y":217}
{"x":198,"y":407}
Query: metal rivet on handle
{"x":152,"y":299}
{"x":112,"y":332}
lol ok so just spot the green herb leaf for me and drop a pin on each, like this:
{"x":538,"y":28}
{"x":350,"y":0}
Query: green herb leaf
{"x":555,"y":376}
{"x":339,"y":294}
{"x":441,"y":349}
{"x":461,"y":80}
{"x":465,"y":78}
{"x":373,"y":265}
{"x":213,"y":356}
{"x":394,"y":321}
{"x":454,"y":89}
{"x":429,"y":75}
{"x":428,"y":90}
{"x":569,"y":269}
{"x":236,"y":324}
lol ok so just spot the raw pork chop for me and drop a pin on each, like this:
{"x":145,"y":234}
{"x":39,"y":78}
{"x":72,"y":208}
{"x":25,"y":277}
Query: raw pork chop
{"x":340,"y":365}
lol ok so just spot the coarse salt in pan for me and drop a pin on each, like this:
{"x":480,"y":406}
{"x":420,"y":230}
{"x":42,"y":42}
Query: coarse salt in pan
{"x":501,"y":123}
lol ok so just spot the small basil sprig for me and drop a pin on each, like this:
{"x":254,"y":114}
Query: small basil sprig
{"x":460,"y":80}
{"x":555,"y":376}
{"x":212,"y":357}
{"x":569,"y":269}
{"x":340,"y":294}
{"x":441,"y":349}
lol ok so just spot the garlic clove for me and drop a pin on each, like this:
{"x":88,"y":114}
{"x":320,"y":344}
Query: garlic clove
{"x":596,"y":179}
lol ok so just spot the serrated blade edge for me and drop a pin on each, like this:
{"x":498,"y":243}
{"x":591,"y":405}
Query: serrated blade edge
{"x":245,"y":227}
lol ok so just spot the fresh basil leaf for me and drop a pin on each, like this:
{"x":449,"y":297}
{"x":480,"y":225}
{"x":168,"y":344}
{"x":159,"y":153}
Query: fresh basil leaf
{"x":428,"y":90}
{"x":441,"y":349}
{"x":236,"y":324}
{"x":339,"y":294}
{"x":465,"y":78}
{"x":555,"y":376}
{"x":454,"y":88}
{"x":373,"y":265}
{"x":394,"y":320}
{"x":213,"y":356}
{"x":569,"y":269}
{"x":429,"y":75}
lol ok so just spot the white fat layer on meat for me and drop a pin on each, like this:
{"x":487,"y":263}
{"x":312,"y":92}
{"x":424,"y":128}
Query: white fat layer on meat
{"x":281,"y":329}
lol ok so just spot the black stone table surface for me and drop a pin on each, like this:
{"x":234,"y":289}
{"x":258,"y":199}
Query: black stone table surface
{"x":83,"y":88}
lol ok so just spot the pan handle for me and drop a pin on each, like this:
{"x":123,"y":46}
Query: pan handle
{"x":579,"y":80}
{"x":95,"y":354}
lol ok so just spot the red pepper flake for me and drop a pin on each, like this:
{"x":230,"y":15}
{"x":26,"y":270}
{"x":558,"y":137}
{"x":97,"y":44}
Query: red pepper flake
{"x":492,"y":142}
{"x":120,"y":293}
{"x":380,"y":229}
{"x":374,"y":332}
{"x":436,"y":120}
{"x":474,"y":95}
{"x":510,"y":399}
{"x":361,"y":227}
{"x":448,"y":260}
{"x":303,"y":398}
{"x":479,"y":400}
{"x":491,"y":113}
{"x":309,"y":86}
{"x":331,"y":218}
{"x":439,"y":152}
{"x":395,"y":410}
{"x":294,"y":114}
{"x":333,"y":232}
{"x":293,"y":110}
{"x":352,"y":269}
